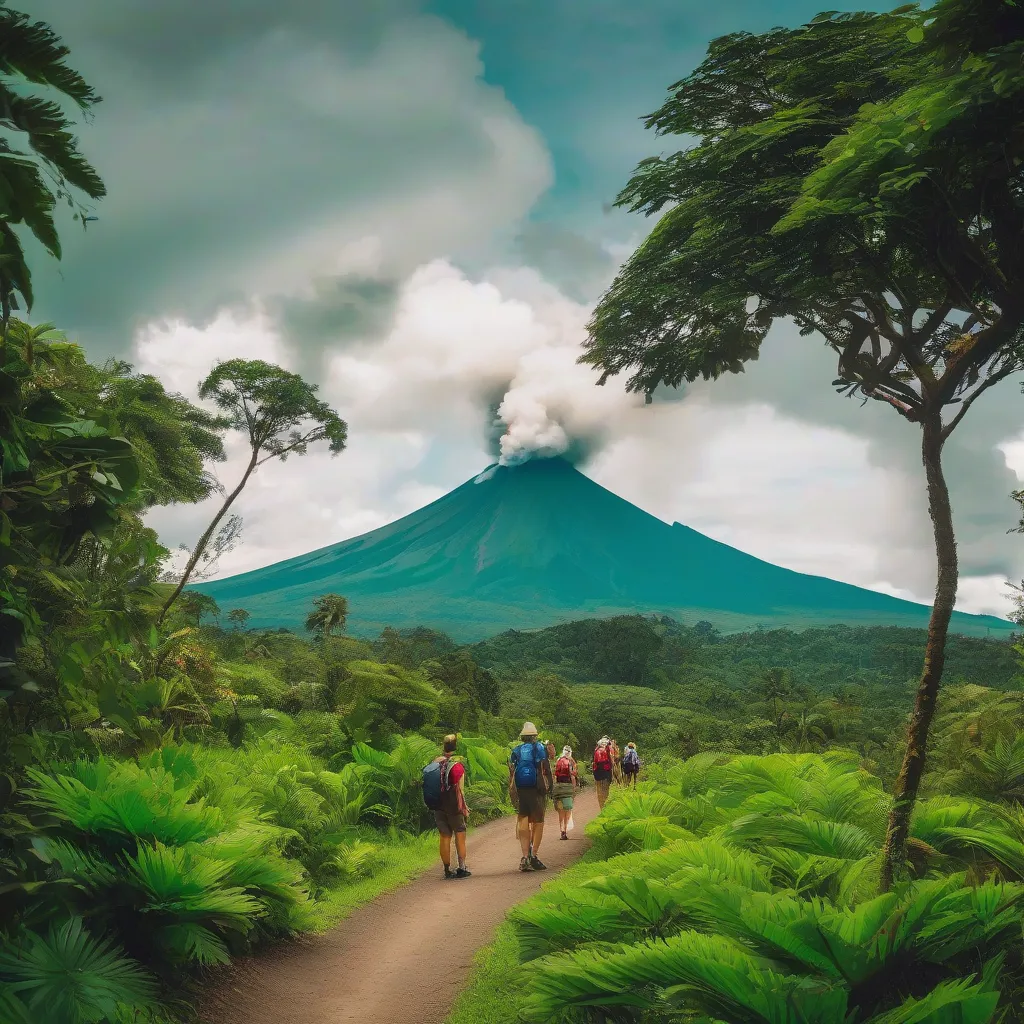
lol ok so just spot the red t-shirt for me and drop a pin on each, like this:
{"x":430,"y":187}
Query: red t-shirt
{"x":455,"y":776}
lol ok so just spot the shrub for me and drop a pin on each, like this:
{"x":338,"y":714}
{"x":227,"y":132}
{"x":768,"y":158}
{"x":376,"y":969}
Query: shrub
{"x":767,"y":910}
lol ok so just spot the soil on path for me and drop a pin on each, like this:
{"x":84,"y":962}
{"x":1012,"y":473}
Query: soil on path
{"x":402,"y":958}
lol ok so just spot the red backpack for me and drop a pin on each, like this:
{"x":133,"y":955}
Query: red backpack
{"x":563,"y":768}
{"x":602,"y":758}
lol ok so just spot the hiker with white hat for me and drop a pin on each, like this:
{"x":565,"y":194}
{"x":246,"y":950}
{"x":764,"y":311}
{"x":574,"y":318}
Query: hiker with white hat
{"x":528,"y":785}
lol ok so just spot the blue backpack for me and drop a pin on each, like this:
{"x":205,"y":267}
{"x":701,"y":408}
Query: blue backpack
{"x":526,"y":762}
{"x":435,"y":782}
{"x":631,"y":758}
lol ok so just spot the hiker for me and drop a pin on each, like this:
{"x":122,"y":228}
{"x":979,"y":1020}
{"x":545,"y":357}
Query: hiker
{"x":602,"y":769}
{"x":564,"y":789}
{"x":613,"y":749}
{"x":528,"y":785}
{"x":442,"y":793}
{"x":631,"y":764}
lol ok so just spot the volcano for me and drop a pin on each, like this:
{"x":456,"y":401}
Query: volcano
{"x":532,"y":545}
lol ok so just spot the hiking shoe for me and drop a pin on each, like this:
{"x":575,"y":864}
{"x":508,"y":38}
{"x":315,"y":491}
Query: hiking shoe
{"x":537,"y":865}
{"x":565,"y":835}
{"x":525,"y":864}
{"x":463,"y":873}
{"x":448,"y":873}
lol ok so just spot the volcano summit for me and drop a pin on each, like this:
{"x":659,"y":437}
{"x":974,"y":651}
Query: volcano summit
{"x":527,"y":546}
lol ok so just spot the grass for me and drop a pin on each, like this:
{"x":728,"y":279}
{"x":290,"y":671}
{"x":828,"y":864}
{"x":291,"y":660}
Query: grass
{"x":402,"y":861}
{"x":495,"y":990}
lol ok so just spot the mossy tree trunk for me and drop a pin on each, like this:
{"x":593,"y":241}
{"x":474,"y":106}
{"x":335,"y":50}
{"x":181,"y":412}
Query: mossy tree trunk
{"x":909,"y":780}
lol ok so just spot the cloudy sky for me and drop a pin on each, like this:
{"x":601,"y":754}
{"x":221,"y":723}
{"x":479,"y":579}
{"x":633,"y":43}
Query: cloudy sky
{"x":408,"y":201}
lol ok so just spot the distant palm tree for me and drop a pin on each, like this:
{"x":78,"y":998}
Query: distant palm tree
{"x":329,"y":613}
{"x":44,"y":171}
{"x":773,"y":685}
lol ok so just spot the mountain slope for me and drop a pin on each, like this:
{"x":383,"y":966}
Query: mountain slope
{"x":527,"y":546}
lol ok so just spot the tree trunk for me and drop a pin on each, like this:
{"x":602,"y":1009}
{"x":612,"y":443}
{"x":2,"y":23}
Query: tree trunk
{"x":909,"y":780}
{"x":205,"y":539}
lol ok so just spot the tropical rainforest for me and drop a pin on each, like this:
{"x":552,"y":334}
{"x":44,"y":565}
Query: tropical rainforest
{"x":177,"y":788}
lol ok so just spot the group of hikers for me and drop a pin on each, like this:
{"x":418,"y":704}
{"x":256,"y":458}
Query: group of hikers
{"x":531,"y":780}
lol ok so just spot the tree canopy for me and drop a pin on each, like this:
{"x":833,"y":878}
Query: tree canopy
{"x":860,"y":175}
{"x":277,"y":410}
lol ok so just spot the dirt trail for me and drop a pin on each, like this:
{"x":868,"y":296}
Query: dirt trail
{"x":403,"y":958}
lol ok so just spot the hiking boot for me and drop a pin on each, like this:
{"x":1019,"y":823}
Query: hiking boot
{"x":463,"y":873}
{"x":525,"y":864}
{"x":537,"y":865}
{"x":565,"y":835}
{"x":448,"y":873}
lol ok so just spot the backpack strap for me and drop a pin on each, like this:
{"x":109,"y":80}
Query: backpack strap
{"x":446,"y":764}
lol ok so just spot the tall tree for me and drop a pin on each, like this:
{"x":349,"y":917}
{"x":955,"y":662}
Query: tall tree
{"x":280,"y":415}
{"x":238,"y":617}
{"x":861,"y":176}
{"x":329,"y":613}
{"x":47,"y":166}
{"x":774,"y":686}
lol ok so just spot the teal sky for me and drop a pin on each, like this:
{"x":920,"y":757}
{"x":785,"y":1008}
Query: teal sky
{"x":585,"y":79}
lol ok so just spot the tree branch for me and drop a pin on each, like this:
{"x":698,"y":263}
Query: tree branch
{"x":987,"y":344}
{"x":1011,"y":367}
{"x":936,"y":318}
{"x":305,"y":439}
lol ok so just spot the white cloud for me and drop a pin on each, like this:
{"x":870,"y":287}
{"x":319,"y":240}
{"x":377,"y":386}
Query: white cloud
{"x":808,"y":496}
{"x":755,"y":479}
{"x":291,"y":158}
{"x":181,"y":354}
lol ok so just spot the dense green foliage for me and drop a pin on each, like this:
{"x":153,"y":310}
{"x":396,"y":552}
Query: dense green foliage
{"x":171,"y":793}
{"x":841,"y":686}
{"x":744,"y":889}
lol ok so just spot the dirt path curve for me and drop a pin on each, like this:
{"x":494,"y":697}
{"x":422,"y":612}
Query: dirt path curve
{"x":403,"y":958}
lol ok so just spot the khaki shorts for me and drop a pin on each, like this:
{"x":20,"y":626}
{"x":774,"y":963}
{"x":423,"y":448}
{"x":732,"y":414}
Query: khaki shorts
{"x":563,"y":794}
{"x":448,"y":823}
{"x":532,"y":805}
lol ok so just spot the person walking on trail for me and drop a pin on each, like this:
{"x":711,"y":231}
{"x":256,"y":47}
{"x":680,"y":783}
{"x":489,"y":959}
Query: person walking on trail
{"x":528,"y":784}
{"x":602,"y":769}
{"x":631,"y":764}
{"x":613,"y":749}
{"x":564,"y":790}
{"x":442,"y":793}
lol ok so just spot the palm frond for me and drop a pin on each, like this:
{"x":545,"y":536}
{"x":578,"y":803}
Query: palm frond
{"x":70,"y":977}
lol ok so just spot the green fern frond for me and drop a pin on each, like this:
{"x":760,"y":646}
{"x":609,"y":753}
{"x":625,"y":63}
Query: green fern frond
{"x":188,"y":942}
{"x":69,"y":977}
{"x":960,"y":1001}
